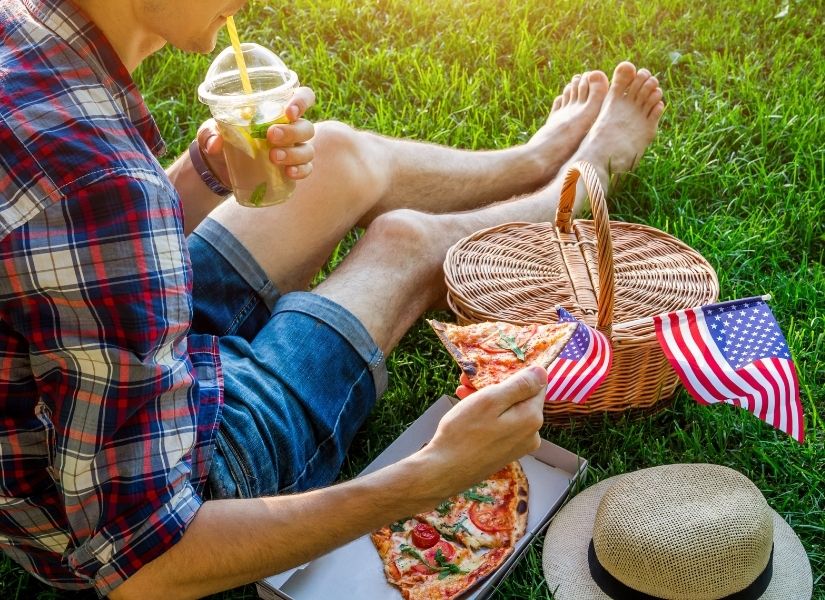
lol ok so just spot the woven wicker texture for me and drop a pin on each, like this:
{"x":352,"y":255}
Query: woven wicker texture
{"x":699,"y":537}
{"x":604,"y":273}
{"x":565,"y":562}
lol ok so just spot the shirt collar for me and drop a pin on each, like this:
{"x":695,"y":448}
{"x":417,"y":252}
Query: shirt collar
{"x":71,"y":24}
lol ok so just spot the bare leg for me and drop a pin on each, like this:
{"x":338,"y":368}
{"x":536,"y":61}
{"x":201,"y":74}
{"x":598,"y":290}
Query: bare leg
{"x":395,"y":272}
{"x":360,"y":175}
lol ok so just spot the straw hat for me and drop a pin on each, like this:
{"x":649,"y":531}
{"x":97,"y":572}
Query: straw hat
{"x":677,"y":532}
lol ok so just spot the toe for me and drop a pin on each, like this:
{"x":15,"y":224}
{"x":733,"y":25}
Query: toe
{"x":565,"y":96}
{"x":584,"y":86}
{"x":574,"y":88}
{"x":556,"y":104}
{"x":597,"y":85}
{"x":651,"y":100}
{"x":622,"y":78}
{"x":649,"y":86}
{"x":641,"y":77}
{"x":656,"y":111}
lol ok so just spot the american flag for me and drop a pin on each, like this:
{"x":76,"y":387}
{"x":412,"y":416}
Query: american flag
{"x":582,"y":365}
{"x":734,"y":352}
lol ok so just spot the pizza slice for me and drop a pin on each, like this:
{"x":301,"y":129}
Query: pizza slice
{"x":441,"y":554}
{"x":423,"y":564}
{"x":492,"y":351}
{"x":491,"y":514}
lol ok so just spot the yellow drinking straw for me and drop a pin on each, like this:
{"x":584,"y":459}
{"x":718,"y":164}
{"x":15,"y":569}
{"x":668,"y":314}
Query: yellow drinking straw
{"x":236,"y":45}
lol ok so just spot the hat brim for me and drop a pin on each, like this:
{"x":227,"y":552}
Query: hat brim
{"x":564,"y":558}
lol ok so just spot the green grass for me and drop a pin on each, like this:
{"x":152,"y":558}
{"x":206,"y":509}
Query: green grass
{"x":736,"y":172}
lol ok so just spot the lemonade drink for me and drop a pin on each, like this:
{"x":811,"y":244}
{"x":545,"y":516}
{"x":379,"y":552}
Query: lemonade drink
{"x":243,"y":119}
{"x":256,"y":181}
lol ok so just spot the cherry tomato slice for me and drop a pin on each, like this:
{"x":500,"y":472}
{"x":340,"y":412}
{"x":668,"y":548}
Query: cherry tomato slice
{"x":489,"y":518}
{"x":447,"y":551}
{"x":425,"y":536}
{"x":421,"y":568}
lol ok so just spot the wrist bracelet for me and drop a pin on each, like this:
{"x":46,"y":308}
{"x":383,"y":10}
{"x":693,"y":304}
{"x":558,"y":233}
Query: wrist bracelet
{"x":207,"y":176}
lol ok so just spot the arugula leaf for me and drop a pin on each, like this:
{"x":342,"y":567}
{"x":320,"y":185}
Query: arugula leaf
{"x":440,"y":559}
{"x":443,"y":567}
{"x":509,"y":343}
{"x":409,"y":551}
{"x":398,"y":525}
{"x":444,"y":508}
{"x":459,"y":526}
{"x":473,"y":495}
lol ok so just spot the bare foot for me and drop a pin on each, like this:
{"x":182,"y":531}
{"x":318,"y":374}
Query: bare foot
{"x":626,"y":123}
{"x":572,"y":115}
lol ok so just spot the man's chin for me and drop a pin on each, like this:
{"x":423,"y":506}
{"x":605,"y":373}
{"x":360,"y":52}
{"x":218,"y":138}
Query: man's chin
{"x":198,"y":45}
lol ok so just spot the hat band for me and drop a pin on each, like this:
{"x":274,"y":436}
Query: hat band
{"x":619,"y":591}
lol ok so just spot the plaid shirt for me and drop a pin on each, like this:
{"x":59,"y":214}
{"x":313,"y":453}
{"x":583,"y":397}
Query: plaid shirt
{"x":108,"y":405}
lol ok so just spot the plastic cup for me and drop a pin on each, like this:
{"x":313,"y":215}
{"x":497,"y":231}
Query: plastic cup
{"x":243,"y":120}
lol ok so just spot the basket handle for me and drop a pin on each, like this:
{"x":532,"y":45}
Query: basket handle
{"x":604,"y":243}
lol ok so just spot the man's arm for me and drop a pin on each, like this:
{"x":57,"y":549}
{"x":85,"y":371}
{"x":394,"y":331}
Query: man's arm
{"x":233,"y":542}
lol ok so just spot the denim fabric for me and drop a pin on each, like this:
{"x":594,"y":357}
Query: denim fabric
{"x":300,"y":374}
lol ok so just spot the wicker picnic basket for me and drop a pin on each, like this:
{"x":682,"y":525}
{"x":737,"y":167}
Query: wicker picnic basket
{"x":610,"y":275}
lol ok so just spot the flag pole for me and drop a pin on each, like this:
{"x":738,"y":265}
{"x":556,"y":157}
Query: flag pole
{"x":765,"y":297}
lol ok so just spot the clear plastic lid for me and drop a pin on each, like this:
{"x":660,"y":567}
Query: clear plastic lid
{"x":268,"y":75}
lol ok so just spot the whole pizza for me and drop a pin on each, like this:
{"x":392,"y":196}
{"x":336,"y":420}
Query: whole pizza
{"x":442,"y":553}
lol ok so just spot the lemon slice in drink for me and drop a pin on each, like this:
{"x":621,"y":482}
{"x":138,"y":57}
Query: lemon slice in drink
{"x":239,"y":137}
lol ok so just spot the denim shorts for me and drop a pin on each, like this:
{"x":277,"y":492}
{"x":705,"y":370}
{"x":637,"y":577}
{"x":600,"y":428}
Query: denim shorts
{"x":300,"y":373}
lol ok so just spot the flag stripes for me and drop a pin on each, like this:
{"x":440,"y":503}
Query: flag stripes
{"x":582,"y":365}
{"x":708,"y":357}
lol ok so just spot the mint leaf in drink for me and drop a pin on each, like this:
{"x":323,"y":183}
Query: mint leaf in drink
{"x":258,"y":130}
{"x":258,"y":195}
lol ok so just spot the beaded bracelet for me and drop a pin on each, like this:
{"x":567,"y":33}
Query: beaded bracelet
{"x":207,"y":176}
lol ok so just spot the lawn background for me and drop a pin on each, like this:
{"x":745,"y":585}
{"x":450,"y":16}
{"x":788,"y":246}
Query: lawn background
{"x":736,"y":172}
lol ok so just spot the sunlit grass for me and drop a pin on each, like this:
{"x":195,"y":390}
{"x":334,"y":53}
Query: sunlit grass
{"x":736,"y":172}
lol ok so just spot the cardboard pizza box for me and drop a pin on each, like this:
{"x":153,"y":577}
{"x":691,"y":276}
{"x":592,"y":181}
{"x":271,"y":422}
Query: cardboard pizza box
{"x":355,"y":571}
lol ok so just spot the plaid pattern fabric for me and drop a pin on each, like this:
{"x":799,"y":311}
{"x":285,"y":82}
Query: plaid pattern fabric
{"x":108,"y":405}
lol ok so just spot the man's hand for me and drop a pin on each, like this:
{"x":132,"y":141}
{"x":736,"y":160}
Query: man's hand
{"x":466,"y":388}
{"x":487,"y":430}
{"x":289,"y":141}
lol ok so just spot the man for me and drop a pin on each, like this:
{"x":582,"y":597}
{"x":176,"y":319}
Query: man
{"x":144,"y":372}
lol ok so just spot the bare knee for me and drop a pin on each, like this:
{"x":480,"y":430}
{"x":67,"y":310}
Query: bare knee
{"x":356,"y":155}
{"x":408,"y":233}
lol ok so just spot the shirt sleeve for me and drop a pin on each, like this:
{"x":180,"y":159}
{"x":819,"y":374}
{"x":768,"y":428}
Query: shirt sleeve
{"x":105,"y":303}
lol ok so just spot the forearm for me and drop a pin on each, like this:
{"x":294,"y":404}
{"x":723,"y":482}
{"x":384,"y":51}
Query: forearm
{"x":234,"y":542}
{"x":198,"y":200}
